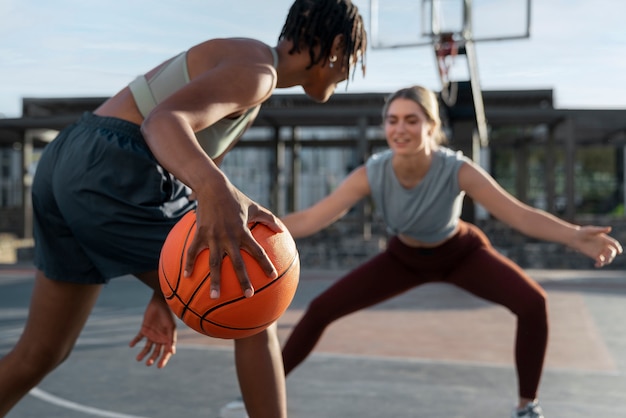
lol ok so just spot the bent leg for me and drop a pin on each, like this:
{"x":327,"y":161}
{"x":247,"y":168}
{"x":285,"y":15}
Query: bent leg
{"x":261,"y":376}
{"x":377,"y":280}
{"x":57,"y":314}
{"x":493,"y":277}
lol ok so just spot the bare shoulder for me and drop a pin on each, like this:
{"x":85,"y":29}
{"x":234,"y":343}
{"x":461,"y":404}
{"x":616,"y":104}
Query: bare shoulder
{"x":236,"y":54}
{"x":248,"y":64}
{"x":245,"y":50}
{"x":471,"y":173}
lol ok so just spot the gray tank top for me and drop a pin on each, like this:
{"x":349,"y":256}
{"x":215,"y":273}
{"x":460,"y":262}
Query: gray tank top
{"x":173,"y":75}
{"x":428,"y":212}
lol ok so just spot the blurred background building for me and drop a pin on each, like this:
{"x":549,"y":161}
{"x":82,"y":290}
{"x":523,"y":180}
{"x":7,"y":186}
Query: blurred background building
{"x":567,"y":161}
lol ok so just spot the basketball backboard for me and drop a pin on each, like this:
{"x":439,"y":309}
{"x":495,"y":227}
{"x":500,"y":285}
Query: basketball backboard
{"x":408,"y":23}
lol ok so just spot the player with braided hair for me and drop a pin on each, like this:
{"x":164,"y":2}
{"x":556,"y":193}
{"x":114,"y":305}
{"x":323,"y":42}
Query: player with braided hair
{"x":304,"y":26}
{"x":109,"y":188}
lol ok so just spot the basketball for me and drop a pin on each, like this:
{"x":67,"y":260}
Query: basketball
{"x":232,"y":315}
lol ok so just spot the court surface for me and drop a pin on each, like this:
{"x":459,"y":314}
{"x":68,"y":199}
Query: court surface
{"x":433,"y":352}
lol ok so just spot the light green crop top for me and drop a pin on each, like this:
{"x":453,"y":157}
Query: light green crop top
{"x":173,"y":75}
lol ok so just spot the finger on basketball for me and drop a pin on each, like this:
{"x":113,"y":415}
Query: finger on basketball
{"x":239,"y":266}
{"x":215,"y":267}
{"x":190,"y":259}
{"x":269,"y":220}
{"x":260,"y":256}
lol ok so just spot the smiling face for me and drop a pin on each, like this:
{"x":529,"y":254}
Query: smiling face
{"x":407,"y":128}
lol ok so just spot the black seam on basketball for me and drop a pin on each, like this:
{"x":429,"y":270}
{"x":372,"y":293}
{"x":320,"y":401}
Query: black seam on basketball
{"x":193,"y":296}
{"x":259,"y":290}
{"x":204,"y":279}
{"x":180,"y":265}
{"x":168,"y":283}
{"x":182,"y":256}
{"x":205,"y":320}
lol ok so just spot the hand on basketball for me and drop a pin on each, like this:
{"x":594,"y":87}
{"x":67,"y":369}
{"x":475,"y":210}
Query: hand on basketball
{"x":222,"y":227}
{"x":594,"y":242}
{"x":159,"y":330}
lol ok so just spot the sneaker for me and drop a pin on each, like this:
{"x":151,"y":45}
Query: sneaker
{"x":531,"y":410}
{"x":234,"y":409}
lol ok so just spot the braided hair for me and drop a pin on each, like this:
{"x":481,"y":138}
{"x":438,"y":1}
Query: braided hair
{"x":317,"y":22}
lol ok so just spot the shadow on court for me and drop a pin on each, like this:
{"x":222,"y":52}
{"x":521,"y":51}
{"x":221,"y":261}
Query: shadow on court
{"x":433,"y":352}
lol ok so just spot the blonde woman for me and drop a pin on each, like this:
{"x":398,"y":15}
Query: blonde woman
{"x":418,"y":185}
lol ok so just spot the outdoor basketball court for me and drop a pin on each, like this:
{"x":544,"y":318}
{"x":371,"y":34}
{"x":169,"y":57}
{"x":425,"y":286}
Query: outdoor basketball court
{"x":434,"y":352}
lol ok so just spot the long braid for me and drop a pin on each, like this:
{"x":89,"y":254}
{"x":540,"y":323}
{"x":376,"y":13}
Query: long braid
{"x":312,"y":23}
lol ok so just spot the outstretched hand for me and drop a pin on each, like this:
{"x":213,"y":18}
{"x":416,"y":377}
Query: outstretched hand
{"x":595,"y":242}
{"x":222,"y":226}
{"x":159,"y":330}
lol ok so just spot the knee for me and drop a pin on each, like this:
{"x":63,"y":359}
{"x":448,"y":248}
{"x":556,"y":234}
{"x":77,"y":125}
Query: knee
{"x":40,"y":358}
{"x":320,"y":311}
{"x":268,"y":336}
{"x":535,"y":306}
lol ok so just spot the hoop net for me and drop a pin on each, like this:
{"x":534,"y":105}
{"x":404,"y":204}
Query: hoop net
{"x":446,"y":50}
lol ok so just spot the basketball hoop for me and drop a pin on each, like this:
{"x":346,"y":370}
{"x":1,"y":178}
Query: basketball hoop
{"x":446,"y":50}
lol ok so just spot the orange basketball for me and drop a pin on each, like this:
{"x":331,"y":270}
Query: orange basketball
{"x":231,"y":315}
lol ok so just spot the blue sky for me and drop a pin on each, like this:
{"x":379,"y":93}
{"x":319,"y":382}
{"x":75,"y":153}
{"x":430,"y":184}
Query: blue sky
{"x":77,"y":48}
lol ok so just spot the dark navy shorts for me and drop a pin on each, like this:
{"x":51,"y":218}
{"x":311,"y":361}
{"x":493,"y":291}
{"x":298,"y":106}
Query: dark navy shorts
{"x":102,"y":204}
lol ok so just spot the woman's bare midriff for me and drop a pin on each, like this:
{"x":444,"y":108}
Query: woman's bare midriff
{"x":412,"y":242}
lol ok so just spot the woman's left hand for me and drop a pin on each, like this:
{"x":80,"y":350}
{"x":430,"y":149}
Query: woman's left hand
{"x":159,"y":330}
{"x":595,"y":242}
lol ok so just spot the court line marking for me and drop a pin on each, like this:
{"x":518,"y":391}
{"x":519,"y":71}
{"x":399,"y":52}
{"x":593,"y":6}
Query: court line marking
{"x":47,"y":397}
{"x":61,"y":402}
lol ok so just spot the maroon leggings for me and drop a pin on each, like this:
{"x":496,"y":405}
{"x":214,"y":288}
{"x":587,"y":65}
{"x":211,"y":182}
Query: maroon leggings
{"x":468,"y":261}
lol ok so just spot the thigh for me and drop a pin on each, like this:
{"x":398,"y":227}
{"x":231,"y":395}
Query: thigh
{"x":150,"y":279}
{"x":375,"y":281}
{"x":122,"y":212}
{"x":57,"y":314}
{"x":110,"y":199}
{"x":55,"y":243}
{"x":493,"y":277}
